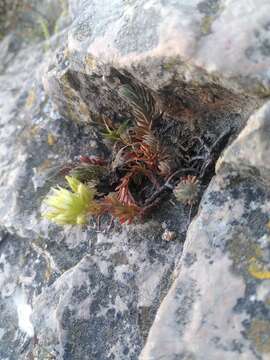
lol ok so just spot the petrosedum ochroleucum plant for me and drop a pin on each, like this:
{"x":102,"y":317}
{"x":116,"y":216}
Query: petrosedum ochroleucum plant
{"x":128,"y":189}
{"x":72,"y":207}
{"x":187,"y":190}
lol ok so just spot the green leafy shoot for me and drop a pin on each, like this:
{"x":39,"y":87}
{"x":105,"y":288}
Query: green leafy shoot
{"x":141,"y":102}
{"x":115,"y":134}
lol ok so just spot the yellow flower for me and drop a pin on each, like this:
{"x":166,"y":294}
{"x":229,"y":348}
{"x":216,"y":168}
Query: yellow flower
{"x":71,"y":207}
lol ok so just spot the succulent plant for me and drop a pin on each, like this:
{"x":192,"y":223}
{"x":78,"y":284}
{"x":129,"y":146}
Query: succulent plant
{"x":187,"y":190}
{"x":71,"y":207}
{"x":139,"y":170}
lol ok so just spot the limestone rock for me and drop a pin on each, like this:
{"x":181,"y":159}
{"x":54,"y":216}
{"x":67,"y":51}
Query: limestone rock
{"x":75,"y":293}
{"x":103,"y":307}
{"x":36,"y":142}
{"x":24,"y":273}
{"x":251,"y":152}
{"x":171,"y":47}
{"x":218,"y":307}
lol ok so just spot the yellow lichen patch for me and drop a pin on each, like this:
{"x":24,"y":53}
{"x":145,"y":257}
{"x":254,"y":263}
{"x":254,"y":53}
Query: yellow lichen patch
{"x":83,"y":108}
{"x":34,"y":130}
{"x":45,"y":165}
{"x":258,"y":252}
{"x":259,"y":335}
{"x":31,"y":98}
{"x":268,"y":225}
{"x":247,"y":257}
{"x":66,"y":53}
{"x":171,"y":63}
{"x":258,"y":270}
{"x":51,"y":140}
{"x":90,"y":62}
{"x":48,"y":272}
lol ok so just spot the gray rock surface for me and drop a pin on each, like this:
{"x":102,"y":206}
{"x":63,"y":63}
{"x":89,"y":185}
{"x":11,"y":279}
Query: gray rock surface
{"x":129,"y":285}
{"x":218,"y":307}
{"x":75,"y":293}
{"x":24,"y":272}
{"x":203,"y":43}
{"x":103,"y":307}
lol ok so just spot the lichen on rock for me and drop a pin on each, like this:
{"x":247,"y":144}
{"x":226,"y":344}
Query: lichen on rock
{"x":76,"y":293}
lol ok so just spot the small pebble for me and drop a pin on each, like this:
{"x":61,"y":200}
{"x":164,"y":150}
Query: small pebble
{"x":168,"y":235}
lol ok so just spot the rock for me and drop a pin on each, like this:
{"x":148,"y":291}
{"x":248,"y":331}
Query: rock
{"x":102,"y":54}
{"x":218,"y":307}
{"x":103,"y":307}
{"x":35,"y":143}
{"x":75,"y":293}
{"x":251,"y":152}
{"x":234,"y":33}
{"x":24,"y":272}
{"x":143,"y":45}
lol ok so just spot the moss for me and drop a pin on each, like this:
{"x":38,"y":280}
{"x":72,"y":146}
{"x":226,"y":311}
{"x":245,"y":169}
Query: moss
{"x":51,"y":140}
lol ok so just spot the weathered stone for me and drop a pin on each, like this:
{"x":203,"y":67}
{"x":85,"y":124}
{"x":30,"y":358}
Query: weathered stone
{"x":103,"y":307}
{"x":228,"y":39}
{"x":35,"y":143}
{"x":101,"y":54}
{"x":251,"y":152}
{"x":93,"y":295}
{"x":218,"y":307}
{"x":166,"y":46}
{"x":23,"y":274}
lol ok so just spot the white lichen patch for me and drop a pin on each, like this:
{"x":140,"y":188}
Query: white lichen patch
{"x":24,"y":311}
{"x":263,"y":292}
{"x":148,"y":281}
{"x":236,"y":38}
{"x":220,"y":322}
